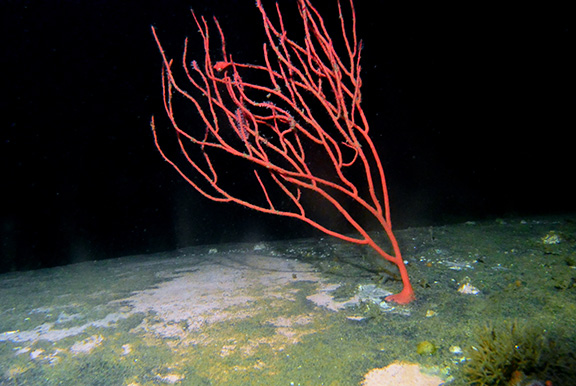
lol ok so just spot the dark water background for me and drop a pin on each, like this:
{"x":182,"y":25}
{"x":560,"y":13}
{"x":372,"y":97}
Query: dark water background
{"x":471,"y":110}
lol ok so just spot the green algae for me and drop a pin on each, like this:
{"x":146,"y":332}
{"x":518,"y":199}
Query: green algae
{"x":513,"y":351}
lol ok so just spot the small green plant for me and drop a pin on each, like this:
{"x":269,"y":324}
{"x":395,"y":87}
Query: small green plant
{"x":514,"y":352}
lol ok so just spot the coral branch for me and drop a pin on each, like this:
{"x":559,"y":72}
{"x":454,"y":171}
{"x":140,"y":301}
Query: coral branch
{"x":297,"y":122}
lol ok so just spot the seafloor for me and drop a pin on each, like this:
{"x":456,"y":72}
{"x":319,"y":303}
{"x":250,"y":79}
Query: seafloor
{"x":301,"y":312}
